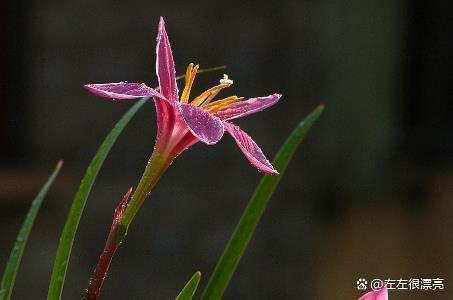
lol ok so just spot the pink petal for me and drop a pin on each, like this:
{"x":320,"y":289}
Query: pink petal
{"x":248,"y":107}
{"x":122,"y":90}
{"x":251,"y":150}
{"x":206,"y":127}
{"x":166,"y":118}
{"x":165,"y":65}
{"x":380,"y":294}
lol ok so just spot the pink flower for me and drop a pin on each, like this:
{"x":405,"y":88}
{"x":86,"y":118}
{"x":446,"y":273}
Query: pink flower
{"x":183,"y":122}
{"x":380,"y":294}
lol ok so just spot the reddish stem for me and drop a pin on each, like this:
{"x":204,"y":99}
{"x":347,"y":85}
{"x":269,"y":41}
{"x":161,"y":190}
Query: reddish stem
{"x":124,"y":214}
{"x":111,"y":245}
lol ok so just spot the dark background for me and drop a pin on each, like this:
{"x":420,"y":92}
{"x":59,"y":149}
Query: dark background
{"x":369,"y":193}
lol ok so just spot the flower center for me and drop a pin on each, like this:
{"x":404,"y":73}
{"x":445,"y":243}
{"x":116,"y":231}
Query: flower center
{"x":205,"y":98}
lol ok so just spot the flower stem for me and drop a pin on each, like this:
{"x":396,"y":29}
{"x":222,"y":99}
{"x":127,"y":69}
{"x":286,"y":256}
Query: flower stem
{"x":111,"y":245}
{"x":98,"y":277}
{"x":157,"y":165}
{"x":122,"y":218}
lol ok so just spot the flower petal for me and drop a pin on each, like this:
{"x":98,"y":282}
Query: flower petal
{"x":122,"y":90}
{"x":165,"y":65}
{"x":247,"y":107}
{"x":380,"y":294}
{"x":251,"y":150}
{"x":206,"y":127}
{"x":166,"y":118}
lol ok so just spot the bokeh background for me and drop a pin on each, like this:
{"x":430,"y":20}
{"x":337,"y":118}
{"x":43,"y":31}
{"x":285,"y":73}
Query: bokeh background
{"x":368,"y":195}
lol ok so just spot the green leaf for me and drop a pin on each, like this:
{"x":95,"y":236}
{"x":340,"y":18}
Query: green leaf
{"x":244,"y":230}
{"x":12,"y":266}
{"x":189,"y":289}
{"x":78,"y":204}
{"x":207,"y":70}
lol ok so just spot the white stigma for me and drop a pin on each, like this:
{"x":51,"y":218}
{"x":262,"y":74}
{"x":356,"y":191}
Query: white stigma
{"x":226,"y":80}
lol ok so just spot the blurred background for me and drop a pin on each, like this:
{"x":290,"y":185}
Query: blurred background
{"x":368,"y":195}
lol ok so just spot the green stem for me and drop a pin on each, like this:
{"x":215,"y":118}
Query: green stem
{"x":157,"y":165}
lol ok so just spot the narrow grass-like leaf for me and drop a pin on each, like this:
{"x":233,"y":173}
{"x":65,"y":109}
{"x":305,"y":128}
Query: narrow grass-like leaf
{"x":12,"y":266}
{"x":207,"y":70}
{"x":244,"y":230}
{"x":78,"y":204}
{"x":190,"y":288}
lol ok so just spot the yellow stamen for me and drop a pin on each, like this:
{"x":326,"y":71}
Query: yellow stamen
{"x":220,"y":104}
{"x":221,"y":101}
{"x":189,"y":79}
{"x":200,"y":99}
{"x":188,"y":72}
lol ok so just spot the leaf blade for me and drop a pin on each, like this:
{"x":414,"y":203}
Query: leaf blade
{"x":249,"y":220}
{"x":190,"y":288}
{"x":78,"y":204}
{"x":12,"y":265}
